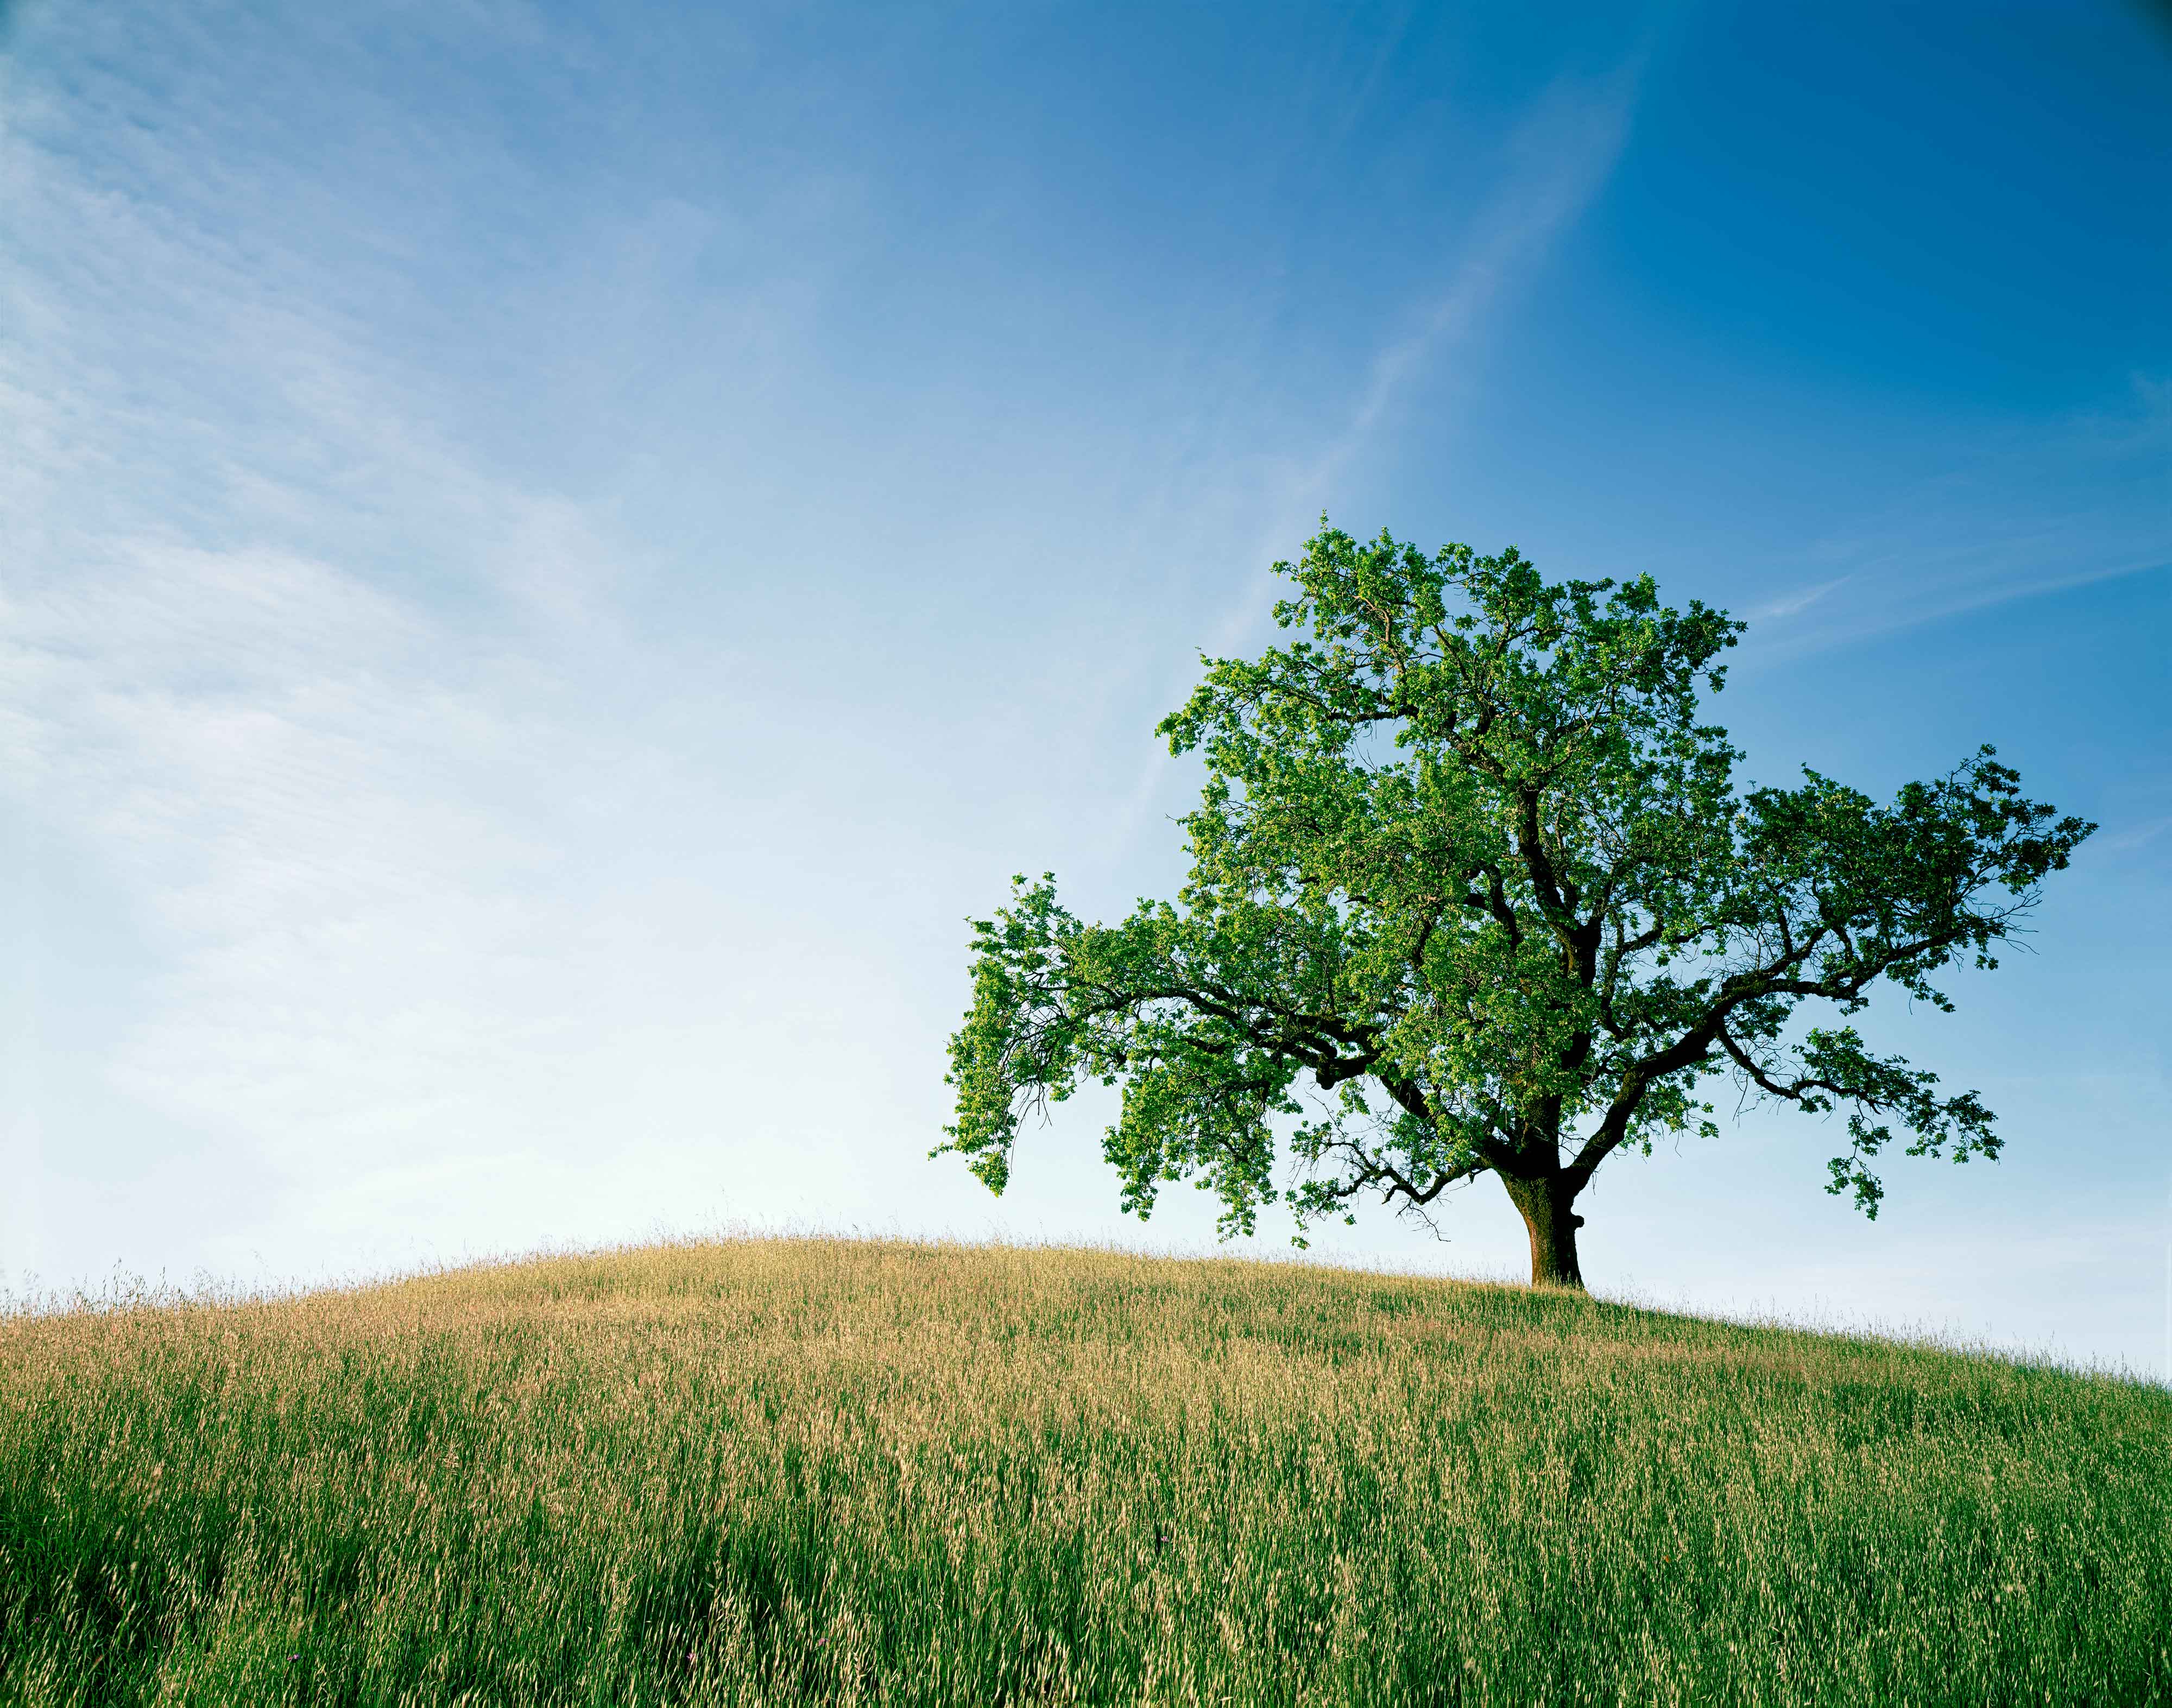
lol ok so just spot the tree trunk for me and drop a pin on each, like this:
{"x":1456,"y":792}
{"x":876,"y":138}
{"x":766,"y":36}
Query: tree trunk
{"x":1552,"y":1226}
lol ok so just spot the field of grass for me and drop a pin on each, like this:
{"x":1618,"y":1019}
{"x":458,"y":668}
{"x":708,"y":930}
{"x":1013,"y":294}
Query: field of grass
{"x":810,"y":1470}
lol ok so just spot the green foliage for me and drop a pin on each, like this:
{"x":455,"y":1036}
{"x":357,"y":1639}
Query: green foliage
{"x":1474,"y":890}
{"x":771,"y":1473}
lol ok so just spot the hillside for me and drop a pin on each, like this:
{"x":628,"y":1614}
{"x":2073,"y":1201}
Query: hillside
{"x":785,"y":1471}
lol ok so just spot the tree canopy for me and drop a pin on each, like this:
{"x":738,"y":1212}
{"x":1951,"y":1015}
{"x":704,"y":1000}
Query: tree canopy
{"x":1474,"y":891}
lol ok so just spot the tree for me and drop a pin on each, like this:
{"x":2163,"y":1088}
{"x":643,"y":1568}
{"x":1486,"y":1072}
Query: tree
{"x":1467,"y":861}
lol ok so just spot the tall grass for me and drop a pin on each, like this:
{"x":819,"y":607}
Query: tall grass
{"x":788,"y":1471}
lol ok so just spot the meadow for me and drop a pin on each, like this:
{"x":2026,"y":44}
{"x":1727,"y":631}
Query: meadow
{"x":785,"y":1471}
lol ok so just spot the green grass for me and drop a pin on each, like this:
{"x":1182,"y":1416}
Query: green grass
{"x":808,"y":1470}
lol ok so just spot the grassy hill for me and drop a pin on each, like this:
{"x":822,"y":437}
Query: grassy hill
{"x":787,"y":1471}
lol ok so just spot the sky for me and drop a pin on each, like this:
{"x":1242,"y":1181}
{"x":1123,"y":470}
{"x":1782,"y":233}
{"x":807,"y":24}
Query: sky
{"x":551,"y":557}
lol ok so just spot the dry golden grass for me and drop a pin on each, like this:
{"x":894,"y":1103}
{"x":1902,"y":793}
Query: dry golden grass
{"x":797,"y":1470}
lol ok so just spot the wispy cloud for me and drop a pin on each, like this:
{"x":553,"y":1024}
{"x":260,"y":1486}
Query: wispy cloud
{"x":342,"y":723}
{"x":1554,"y":165}
{"x":1910,"y":594}
{"x":1794,"y":604}
{"x":2133,"y":836}
{"x":1556,"y":161}
{"x":2043,"y":508}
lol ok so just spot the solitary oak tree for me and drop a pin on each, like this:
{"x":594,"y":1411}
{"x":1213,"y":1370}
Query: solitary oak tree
{"x":1467,"y":859}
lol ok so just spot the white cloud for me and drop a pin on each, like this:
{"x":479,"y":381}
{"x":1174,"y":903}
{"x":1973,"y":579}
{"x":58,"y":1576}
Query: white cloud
{"x":1794,"y":604}
{"x":2124,"y":842}
{"x":2016,"y":515}
{"x":340,"y":725}
{"x":1556,"y":162}
{"x":1558,"y":159}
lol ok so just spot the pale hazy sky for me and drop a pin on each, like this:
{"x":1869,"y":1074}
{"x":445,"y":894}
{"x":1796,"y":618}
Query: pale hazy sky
{"x":553,"y":555}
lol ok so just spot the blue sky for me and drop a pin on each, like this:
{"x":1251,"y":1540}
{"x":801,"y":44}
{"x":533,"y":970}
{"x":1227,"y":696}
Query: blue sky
{"x":553,"y":555}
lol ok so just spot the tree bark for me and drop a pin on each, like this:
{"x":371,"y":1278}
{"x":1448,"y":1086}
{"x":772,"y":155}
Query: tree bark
{"x":1544,"y":1203}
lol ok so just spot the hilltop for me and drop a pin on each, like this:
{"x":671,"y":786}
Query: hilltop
{"x":811,"y":1470}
